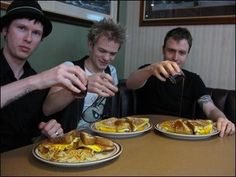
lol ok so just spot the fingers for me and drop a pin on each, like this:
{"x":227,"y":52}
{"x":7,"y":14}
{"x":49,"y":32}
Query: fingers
{"x":41,"y":125}
{"x":72,"y":77}
{"x":69,"y":76}
{"x":75,"y":83}
{"x":76,"y":76}
{"x":101,"y":84}
{"x":165,"y":69}
{"x":225,"y":126}
{"x":82,"y":76}
{"x":230,"y":128}
{"x":51,"y":129}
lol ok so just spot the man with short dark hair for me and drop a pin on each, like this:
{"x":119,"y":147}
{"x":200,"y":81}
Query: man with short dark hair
{"x":159,"y":95}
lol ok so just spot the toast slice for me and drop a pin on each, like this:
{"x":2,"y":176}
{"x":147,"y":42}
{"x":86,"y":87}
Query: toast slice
{"x":176,"y":126}
{"x":66,"y":138}
{"x":87,"y":139}
{"x":201,"y":127}
{"x":181,"y":127}
{"x":95,"y":143}
{"x":138,"y":123}
{"x":107,"y":125}
{"x":122,"y":125}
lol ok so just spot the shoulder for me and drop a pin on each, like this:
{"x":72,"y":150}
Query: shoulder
{"x":191,"y":75}
{"x":80,"y":62}
{"x":196,"y":82}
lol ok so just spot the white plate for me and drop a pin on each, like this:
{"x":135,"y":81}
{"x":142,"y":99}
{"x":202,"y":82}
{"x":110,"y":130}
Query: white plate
{"x":101,"y":157}
{"x":183,"y":136}
{"x":120,"y":135}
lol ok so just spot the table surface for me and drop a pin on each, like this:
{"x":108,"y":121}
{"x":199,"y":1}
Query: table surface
{"x":150,"y":154}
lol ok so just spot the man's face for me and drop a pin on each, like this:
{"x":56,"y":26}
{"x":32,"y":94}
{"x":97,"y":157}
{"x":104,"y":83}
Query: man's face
{"x":22,"y":38}
{"x":176,"y":51}
{"x":102,"y":53}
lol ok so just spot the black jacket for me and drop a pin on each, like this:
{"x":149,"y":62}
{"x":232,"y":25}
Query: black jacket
{"x":19,"y":120}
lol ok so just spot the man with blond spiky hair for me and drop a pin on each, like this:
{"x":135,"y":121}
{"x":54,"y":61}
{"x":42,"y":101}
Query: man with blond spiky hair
{"x":104,"y":41}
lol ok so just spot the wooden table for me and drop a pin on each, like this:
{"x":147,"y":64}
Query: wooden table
{"x":150,"y":154}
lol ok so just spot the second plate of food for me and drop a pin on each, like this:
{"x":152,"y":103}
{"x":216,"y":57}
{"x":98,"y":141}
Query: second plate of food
{"x":187,"y":129}
{"x":125,"y":127}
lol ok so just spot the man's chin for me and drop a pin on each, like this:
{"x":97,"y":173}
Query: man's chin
{"x":23,"y":56}
{"x":103,"y":67}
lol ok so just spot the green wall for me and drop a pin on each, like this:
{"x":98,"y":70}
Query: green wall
{"x":69,"y":42}
{"x":66,"y":42}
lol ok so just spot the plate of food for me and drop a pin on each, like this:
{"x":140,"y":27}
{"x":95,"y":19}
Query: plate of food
{"x":125,"y":127}
{"x":187,"y":129}
{"x":76,"y":149}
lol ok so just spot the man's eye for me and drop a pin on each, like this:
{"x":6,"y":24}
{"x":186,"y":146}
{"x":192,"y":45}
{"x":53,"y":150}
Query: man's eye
{"x":37,"y":33}
{"x":21,"y":28}
{"x":102,"y":51}
{"x":182,"y":53}
{"x":113,"y":54}
{"x":171,"y":50}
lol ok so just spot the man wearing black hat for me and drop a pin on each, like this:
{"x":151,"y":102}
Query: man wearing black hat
{"x":22,"y":90}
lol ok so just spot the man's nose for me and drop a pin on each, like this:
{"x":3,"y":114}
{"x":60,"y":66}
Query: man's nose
{"x":107,"y":56}
{"x":175,"y":56}
{"x":28,"y":37}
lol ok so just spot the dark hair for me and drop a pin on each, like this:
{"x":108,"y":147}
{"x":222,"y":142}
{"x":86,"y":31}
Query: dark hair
{"x":108,"y":28}
{"x":8,"y":23}
{"x":179,"y":34}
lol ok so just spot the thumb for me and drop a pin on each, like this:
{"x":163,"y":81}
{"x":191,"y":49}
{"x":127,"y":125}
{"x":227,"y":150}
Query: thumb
{"x":41,"y":125}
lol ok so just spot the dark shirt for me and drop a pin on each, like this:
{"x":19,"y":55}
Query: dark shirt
{"x":157,"y":97}
{"x":20,"y":118}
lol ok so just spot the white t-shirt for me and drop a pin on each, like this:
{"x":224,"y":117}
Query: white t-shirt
{"x":94,"y":104}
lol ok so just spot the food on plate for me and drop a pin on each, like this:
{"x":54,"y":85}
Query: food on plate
{"x":176,"y":126}
{"x":201,"y":127}
{"x":121,"y":125}
{"x":107,"y":125}
{"x":138,"y":124}
{"x":189,"y":127}
{"x":74,"y":146}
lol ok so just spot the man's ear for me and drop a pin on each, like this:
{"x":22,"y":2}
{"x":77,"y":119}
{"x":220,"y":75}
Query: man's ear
{"x":90,"y":45}
{"x":4,"y":31}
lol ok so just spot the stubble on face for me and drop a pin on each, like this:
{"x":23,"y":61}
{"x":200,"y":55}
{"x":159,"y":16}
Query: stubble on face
{"x":176,"y":51}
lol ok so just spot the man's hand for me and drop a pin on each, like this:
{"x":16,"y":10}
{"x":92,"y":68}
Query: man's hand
{"x":164,"y":69}
{"x":71,"y":77}
{"x":101,"y":84}
{"x":51,"y":129}
{"x":225,"y":127}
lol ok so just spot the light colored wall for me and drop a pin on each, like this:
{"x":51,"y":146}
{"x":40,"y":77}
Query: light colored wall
{"x":212,"y":55}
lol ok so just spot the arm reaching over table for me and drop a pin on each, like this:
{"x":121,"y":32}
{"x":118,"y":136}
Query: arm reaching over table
{"x":225,"y":126}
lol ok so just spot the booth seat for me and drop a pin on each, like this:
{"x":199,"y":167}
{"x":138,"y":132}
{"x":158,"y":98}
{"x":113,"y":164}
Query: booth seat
{"x":125,"y":102}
